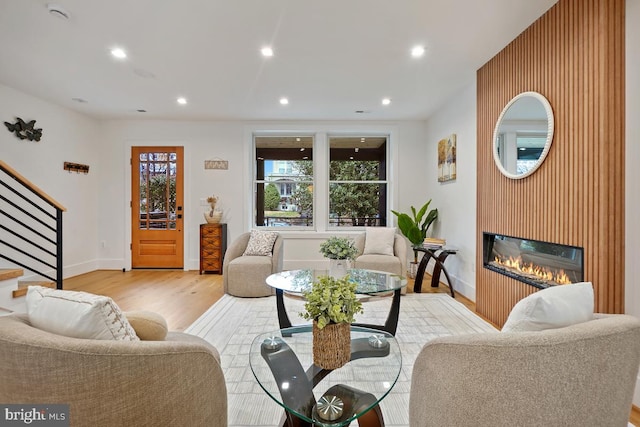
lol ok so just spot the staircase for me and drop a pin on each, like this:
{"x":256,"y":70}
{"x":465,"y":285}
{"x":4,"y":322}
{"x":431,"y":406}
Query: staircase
{"x":30,"y":239}
{"x":13,"y":290}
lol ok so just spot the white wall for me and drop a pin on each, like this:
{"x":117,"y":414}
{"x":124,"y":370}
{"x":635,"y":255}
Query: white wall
{"x":455,"y":200}
{"x":632,"y":156}
{"x":229,"y":141}
{"x":66,"y":136}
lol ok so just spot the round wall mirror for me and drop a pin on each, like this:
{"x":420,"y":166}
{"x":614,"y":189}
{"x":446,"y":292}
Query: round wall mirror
{"x":523,"y":134}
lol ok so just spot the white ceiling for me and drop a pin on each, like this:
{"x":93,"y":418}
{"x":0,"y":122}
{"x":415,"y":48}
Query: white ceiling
{"x":332,"y":57}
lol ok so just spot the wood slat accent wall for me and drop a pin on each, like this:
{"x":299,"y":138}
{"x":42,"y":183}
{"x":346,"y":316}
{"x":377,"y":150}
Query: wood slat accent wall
{"x":574,"y":56}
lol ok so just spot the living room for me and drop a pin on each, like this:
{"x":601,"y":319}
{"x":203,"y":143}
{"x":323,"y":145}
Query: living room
{"x":97,"y":221}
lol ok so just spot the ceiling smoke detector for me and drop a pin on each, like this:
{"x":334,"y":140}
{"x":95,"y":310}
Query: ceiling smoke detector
{"x":57,"y":11}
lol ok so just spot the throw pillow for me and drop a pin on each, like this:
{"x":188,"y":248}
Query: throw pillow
{"x":261,"y":243}
{"x":554,"y":307}
{"x":149,"y":326}
{"x":379,"y":240}
{"x":77,"y":314}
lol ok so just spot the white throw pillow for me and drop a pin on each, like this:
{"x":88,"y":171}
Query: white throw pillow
{"x":77,"y":315}
{"x":554,"y":307}
{"x":379,"y":240}
{"x":261,"y":243}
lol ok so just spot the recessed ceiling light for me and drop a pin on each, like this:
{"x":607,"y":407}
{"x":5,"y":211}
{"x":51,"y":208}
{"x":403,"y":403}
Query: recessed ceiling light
{"x":305,"y":158}
{"x":356,"y":149}
{"x":350,"y":157}
{"x":417,"y":51}
{"x":118,"y":53}
{"x":361,"y":139}
{"x":266,"y":51}
{"x":386,"y":101}
{"x":182,"y":101}
{"x":284,"y":101}
{"x":302,"y":149}
{"x":297,"y":139}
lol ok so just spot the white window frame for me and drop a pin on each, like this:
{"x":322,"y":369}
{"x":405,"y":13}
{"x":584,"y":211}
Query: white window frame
{"x":320,"y":134}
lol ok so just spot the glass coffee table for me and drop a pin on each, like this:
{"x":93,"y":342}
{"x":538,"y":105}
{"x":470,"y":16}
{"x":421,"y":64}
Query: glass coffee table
{"x":369,"y":282}
{"x":282,"y":363}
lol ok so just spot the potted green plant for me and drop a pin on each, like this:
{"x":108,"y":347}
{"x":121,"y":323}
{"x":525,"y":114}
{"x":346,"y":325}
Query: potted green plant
{"x":415,"y":227}
{"x":339,"y":250}
{"x":332,"y":305}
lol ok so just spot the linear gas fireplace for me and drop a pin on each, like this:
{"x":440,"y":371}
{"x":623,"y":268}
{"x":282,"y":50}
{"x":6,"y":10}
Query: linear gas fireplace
{"x":540,"y":264}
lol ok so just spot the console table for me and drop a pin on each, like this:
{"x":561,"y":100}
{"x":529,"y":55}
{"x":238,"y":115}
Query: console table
{"x":438,"y":255}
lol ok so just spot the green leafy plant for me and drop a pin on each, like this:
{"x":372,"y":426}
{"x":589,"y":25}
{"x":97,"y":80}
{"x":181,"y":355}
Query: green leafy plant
{"x":415,"y":227}
{"x":331,"y":300}
{"x":338,"y":248}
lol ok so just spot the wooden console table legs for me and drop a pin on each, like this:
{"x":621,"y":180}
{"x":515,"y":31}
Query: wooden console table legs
{"x":438,"y":268}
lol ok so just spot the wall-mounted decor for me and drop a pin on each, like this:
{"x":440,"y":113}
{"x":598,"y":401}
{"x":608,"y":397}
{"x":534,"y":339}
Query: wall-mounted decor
{"x":25,"y":130}
{"x":76,"y":167}
{"x":447,"y":159}
{"x":216,"y":164}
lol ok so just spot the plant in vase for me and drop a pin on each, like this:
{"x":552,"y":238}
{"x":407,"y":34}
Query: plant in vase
{"x":339,"y":250}
{"x":415,"y":227}
{"x":332,"y":305}
{"x":214,"y":214}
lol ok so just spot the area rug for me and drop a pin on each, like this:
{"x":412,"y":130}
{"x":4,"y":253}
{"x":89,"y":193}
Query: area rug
{"x":232,"y":323}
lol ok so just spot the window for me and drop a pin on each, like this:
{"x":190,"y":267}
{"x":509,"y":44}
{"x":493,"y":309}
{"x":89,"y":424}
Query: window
{"x":357,"y":181}
{"x":347,"y":188}
{"x":283,"y":181}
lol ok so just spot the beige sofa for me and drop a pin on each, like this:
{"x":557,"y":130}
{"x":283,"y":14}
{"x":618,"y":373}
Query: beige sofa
{"x":245,"y":276}
{"x":176,"y":382}
{"x":580,"y":375}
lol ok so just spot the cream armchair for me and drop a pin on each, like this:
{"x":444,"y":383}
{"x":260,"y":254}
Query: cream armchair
{"x":580,"y":375}
{"x":396,"y":264}
{"x":178,"y":381}
{"x":245,"y":276}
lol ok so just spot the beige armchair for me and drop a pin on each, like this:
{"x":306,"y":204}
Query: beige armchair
{"x":580,"y":375}
{"x":178,"y":381}
{"x":396,"y":264}
{"x":245,"y":276}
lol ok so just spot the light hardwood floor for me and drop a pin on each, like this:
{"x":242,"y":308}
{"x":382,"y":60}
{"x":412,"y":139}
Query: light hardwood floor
{"x":182,"y":296}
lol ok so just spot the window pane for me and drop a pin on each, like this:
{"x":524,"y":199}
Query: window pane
{"x":157,"y":190}
{"x":357,"y":181}
{"x":284,"y":181}
{"x":356,"y":205}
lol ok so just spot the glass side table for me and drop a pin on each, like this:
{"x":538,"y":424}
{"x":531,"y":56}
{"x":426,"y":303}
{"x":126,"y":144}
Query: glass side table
{"x":369,"y":282}
{"x":282,"y":363}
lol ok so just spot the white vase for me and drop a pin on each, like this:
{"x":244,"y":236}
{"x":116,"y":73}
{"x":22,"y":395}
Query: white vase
{"x":338,"y":268}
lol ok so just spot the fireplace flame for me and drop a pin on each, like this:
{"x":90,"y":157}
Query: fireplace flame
{"x":531,"y":269}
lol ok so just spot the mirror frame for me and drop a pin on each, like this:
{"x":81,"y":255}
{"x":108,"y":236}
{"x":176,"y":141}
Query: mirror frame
{"x":547,"y":145}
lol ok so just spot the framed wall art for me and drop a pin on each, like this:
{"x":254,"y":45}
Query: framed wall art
{"x":447,"y":159}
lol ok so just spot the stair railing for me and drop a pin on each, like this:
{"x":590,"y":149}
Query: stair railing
{"x":30,"y":226}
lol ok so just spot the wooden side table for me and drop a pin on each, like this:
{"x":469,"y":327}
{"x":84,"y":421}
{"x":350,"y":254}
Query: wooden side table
{"x":438,"y":255}
{"x":213,"y":245}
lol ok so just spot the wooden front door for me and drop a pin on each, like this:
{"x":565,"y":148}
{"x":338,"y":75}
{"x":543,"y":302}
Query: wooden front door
{"x":157,"y":239}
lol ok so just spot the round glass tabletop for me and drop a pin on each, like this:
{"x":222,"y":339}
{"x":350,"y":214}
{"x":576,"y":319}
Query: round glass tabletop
{"x":368,"y":281}
{"x":282,"y":363}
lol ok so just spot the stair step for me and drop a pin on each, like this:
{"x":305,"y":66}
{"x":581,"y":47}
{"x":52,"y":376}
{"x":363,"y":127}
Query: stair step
{"x":23,"y":286}
{"x":10,"y":273}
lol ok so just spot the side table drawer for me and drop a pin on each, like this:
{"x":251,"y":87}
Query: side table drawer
{"x":208,"y":232}
{"x":213,"y":245}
